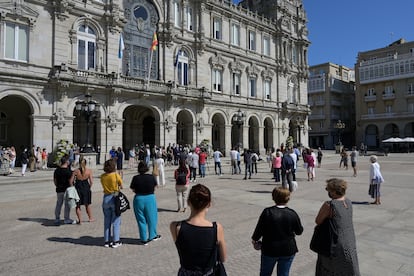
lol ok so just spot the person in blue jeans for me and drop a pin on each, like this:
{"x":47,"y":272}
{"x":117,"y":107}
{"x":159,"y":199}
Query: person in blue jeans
{"x":145,"y":204}
{"x":275,"y":235}
{"x":111,"y":184}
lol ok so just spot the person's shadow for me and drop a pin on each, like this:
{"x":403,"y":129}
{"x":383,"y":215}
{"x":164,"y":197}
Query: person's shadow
{"x":90,"y":241}
{"x":43,"y":221}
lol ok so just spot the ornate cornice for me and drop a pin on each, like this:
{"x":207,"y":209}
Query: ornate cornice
{"x":217,"y":61}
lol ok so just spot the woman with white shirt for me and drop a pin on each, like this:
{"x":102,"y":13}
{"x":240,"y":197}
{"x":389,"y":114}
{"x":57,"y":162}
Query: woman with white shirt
{"x":375,"y":180}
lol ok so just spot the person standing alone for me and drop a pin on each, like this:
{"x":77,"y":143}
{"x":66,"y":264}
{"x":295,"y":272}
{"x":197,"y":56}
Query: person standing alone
{"x":354,"y":157}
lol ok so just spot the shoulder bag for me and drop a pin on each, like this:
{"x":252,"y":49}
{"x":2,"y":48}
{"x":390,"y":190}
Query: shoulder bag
{"x":325,"y":237}
{"x":121,"y":202}
{"x":218,"y":269}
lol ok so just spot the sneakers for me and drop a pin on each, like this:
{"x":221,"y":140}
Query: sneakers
{"x":70,"y":221}
{"x":157,"y":237}
{"x":117,"y":244}
{"x":108,"y":244}
{"x":145,"y":243}
{"x":57,"y":222}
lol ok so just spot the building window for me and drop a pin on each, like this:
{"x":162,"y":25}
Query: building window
{"x":217,"y":80}
{"x":236,"y":84}
{"x":252,"y":87}
{"x":252,"y":41}
{"x":217,"y":28}
{"x":16,"y":42}
{"x":189,"y":18}
{"x":177,"y":14}
{"x":388,"y":109}
{"x":235,"y":34}
{"x":182,"y":67}
{"x":371,"y":92}
{"x":410,"y":89}
{"x":410,"y":107}
{"x":371,"y":110}
{"x":266,"y":46}
{"x":267,"y":87}
{"x":295,"y":55}
{"x":388,"y":90}
{"x":321,"y":125}
{"x":86,"y":47}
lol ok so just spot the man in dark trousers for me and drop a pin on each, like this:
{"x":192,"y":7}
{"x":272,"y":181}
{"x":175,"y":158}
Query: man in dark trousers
{"x":61,"y":179}
{"x":288,"y":166}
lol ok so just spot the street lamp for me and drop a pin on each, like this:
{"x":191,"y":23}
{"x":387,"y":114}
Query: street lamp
{"x":238,"y":119}
{"x":339,"y":126}
{"x":87,"y":108}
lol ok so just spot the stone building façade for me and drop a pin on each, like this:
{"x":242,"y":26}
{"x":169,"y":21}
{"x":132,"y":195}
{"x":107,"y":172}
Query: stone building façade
{"x":213,"y":59}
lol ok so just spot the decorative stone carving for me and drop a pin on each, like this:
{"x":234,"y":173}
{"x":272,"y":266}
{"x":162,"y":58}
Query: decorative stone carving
{"x":253,"y":70}
{"x":111,"y":121}
{"x":58,"y":118}
{"x":236,"y":66}
{"x":217,"y":61}
{"x":267,"y":74}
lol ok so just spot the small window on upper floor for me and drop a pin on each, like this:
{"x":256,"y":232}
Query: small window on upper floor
{"x":182,"y":63}
{"x":177,"y":14}
{"x":16,"y":42}
{"x":266,"y":46}
{"x":252,"y":40}
{"x":236,"y":84}
{"x":217,"y":28}
{"x":190,"y":19}
{"x":235,"y":34}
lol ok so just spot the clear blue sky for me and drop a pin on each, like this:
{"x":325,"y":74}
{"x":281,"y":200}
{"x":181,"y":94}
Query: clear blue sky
{"x":338,"y":30}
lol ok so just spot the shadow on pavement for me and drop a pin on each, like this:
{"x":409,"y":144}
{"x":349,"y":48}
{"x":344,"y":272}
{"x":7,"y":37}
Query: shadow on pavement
{"x":360,"y":202}
{"x":260,"y":192}
{"x":91,"y":241}
{"x":167,"y":210}
{"x":43,"y":221}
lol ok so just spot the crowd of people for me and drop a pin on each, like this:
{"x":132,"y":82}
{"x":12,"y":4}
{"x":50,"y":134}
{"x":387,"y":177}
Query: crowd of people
{"x":277,"y":226}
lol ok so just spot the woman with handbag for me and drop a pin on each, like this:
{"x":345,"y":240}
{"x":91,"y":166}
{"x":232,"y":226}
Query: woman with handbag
{"x":344,"y":256}
{"x":145,"y":204}
{"x":111,"y":183}
{"x":200,"y":242}
{"x":275,"y":235}
{"x":375,"y":180}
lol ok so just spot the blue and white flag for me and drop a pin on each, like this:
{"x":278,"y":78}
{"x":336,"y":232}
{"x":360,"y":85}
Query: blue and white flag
{"x":121,"y":47}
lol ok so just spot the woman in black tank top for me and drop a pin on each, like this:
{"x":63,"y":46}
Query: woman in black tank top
{"x":196,"y":237}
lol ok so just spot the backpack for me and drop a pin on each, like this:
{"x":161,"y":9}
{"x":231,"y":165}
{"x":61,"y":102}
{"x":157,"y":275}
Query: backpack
{"x":181,"y":178}
{"x":254,"y":158}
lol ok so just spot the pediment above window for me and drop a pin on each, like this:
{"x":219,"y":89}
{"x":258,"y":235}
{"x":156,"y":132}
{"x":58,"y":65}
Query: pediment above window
{"x":236,"y":66}
{"x":217,"y":61}
{"x":253,"y":70}
{"x":267,"y":74}
{"x":18,"y":9}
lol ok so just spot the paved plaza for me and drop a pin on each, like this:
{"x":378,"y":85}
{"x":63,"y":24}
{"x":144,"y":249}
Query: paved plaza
{"x":31,"y":245}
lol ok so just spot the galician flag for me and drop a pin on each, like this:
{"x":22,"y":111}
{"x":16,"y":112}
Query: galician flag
{"x":121,"y":47}
{"x":154,"y":42}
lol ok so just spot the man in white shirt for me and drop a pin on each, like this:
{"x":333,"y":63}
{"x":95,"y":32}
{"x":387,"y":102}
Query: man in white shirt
{"x":217,"y":161}
{"x":233,"y":159}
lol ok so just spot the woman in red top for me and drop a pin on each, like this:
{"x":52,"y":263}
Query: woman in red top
{"x":202,"y":161}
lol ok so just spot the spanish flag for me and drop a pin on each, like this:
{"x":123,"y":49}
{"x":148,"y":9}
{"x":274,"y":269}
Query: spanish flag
{"x":154,"y":42}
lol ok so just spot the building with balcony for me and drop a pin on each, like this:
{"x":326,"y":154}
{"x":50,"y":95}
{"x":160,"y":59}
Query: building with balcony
{"x":331,"y":96}
{"x":385,"y":97}
{"x":156,"y":72}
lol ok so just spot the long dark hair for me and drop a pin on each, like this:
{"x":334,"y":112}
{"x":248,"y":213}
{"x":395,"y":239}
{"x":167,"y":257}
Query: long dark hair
{"x":182,"y":167}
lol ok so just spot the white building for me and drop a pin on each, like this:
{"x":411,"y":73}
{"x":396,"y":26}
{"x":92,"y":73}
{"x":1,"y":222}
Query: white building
{"x":213,"y":59}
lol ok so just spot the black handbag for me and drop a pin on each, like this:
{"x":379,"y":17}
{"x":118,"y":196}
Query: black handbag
{"x":325,"y":238}
{"x":121,"y":203}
